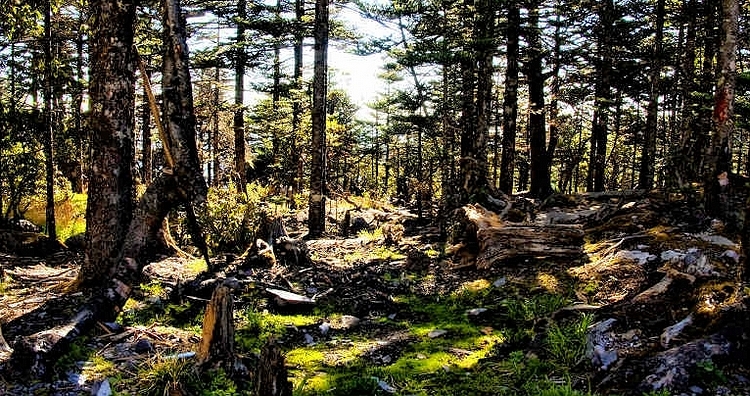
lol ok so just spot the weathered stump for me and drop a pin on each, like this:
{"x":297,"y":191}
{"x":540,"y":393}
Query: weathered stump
{"x":216,"y":349}
{"x":272,"y":376}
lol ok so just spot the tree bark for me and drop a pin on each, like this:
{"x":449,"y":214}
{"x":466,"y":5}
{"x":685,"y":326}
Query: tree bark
{"x":718,"y":156}
{"x":34,"y":354}
{"x":316,"y":212}
{"x":272,"y":376}
{"x":540,"y":172}
{"x":216,"y":349}
{"x":510,"y":100}
{"x":602,"y":103}
{"x":49,"y":135}
{"x":296,"y":157}
{"x":648,"y":153}
{"x":111,"y":195}
{"x":239,"y":111}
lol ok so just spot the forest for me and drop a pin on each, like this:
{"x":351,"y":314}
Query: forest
{"x":541,"y":197}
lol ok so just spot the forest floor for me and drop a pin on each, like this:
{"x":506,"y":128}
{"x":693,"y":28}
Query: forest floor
{"x":653,"y":305}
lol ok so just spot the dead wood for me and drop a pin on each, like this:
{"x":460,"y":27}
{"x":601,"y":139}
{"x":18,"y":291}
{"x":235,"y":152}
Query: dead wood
{"x":216,"y":349}
{"x":672,"y":368}
{"x":498,"y":244}
{"x":482,"y":232}
{"x":272,"y":376}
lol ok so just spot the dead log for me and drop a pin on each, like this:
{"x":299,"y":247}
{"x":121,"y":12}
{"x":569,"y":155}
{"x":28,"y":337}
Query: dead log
{"x":501,"y":243}
{"x":672,"y":368}
{"x":216,"y":349}
{"x":478,"y":231}
{"x":272,"y":376}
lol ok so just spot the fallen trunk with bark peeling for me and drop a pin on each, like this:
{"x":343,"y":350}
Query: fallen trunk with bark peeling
{"x":494,"y":240}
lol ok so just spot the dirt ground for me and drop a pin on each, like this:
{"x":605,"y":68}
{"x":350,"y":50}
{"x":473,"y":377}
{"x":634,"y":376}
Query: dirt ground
{"x":661,"y":281}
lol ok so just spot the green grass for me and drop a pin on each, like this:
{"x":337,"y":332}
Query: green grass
{"x":70,"y":214}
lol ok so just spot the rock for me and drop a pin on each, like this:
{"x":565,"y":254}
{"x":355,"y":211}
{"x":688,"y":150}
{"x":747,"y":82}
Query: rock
{"x":384,"y":386}
{"x":476,"y":311}
{"x":500,"y":282}
{"x":349,"y":322}
{"x":284,"y":298}
{"x":103,"y":389}
{"x":635,"y":255}
{"x":143,"y":346}
{"x":674,"y":331}
{"x":324,"y":327}
{"x":717,"y":240}
{"x":437,"y":333}
{"x":598,"y":339}
{"x":113,"y":327}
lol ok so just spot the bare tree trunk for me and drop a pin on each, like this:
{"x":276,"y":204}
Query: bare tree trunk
{"x":539,"y":157}
{"x":34,"y":354}
{"x":216,"y":349}
{"x":49,"y":135}
{"x":316,"y":214}
{"x":718,"y":156}
{"x":112,"y":90}
{"x":648,"y":154}
{"x":510,"y":101}
{"x":239,"y":95}
{"x":598,"y":154}
{"x":296,"y":157}
{"x":146,"y":148}
{"x":272,"y":376}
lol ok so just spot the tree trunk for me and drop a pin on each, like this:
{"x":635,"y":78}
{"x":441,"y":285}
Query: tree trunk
{"x":540,"y":177}
{"x":598,"y":154}
{"x":296,"y":157}
{"x":146,"y":148}
{"x":239,"y":99}
{"x":648,"y":153}
{"x":109,"y":209}
{"x":33,"y":355}
{"x":689,"y":152}
{"x":49,"y":136}
{"x":510,"y":101}
{"x":718,"y":156}
{"x":316,"y":214}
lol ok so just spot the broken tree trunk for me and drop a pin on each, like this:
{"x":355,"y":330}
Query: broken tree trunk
{"x":493,"y":240}
{"x":216,"y":349}
{"x":184,"y":184}
{"x":272,"y":376}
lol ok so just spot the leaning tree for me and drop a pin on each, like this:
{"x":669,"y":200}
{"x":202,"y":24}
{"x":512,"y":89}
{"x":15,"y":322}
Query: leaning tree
{"x":180,"y":184}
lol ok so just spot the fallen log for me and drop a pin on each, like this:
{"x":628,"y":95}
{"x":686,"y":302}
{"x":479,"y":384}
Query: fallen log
{"x":476,"y":230}
{"x":501,"y":243}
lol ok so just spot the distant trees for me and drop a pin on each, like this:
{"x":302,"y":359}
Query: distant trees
{"x":538,"y":96}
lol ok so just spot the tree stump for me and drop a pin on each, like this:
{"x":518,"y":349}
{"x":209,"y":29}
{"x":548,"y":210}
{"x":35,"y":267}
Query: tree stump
{"x":272,"y":376}
{"x":216,"y":349}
